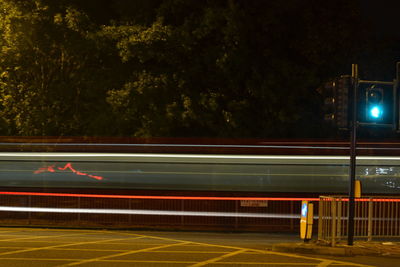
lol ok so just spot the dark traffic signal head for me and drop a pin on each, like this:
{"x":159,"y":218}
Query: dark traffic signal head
{"x":336,"y":102}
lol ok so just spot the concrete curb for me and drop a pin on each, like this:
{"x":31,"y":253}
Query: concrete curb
{"x":310,"y":248}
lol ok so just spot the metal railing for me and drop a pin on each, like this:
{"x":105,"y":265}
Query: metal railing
{"x":374,"y":217}
{"x":163,"y":212}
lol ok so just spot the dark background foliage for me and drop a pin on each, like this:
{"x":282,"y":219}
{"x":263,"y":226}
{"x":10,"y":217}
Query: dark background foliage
{"x":183,"y":68}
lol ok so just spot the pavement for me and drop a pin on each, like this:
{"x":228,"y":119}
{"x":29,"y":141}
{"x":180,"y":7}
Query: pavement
{"x":359,"y":248}
{"x":112,"y":248}
{"x":38,"y":247}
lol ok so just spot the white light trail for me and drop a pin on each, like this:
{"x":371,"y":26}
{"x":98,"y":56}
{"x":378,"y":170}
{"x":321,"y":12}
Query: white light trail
{"x":196,"y":158}
{"x":149,"y":212}
{"x":152,"y":155}
{"x":188,"y":156}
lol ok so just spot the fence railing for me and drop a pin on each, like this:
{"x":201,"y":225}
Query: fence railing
{"x":133,"y":211}
{"x":374,"y":217}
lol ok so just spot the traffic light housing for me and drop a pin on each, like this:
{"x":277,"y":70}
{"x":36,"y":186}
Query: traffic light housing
{"x":336,"y":103}
{"x":376,"y":103}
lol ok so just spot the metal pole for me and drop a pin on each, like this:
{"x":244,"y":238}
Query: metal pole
{"x":353,"y":153}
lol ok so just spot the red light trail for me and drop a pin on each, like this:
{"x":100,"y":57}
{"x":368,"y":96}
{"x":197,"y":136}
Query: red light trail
{"x":155,"y":197}
{"x":68,"y":166}
{"x":379,"y":199}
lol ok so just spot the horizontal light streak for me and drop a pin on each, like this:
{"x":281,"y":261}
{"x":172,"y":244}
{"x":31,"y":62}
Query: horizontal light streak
{"x":148,"y":212}
{"x":153,"y":155}
{"x":156,"y":197}
{"x":176,"y":145}
{"x":345,"y":199}
{"x":258,"y":146}
{"x":188,"y":156}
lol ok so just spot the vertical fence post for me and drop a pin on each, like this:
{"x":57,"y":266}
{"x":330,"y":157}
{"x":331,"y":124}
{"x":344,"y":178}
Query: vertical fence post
{"x":364,"y":219}
{"x":30,"y":206}
{"x":321,"y":209}
{"x":392,"y":218}
{"x":291,"y":213}
{"x":339,"y":218}
{"x":370,"y":211}
{"x":236,"y":212}
{"x":182,"y":209}
{"x":395,"y":217}
{"x":79,"y":206}
{"x":130,"y":208}
{"x":333,"y":229}
{"x":380,"y":216}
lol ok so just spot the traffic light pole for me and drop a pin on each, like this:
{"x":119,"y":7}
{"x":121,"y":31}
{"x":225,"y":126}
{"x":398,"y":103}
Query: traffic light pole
{"x":353,"y":154}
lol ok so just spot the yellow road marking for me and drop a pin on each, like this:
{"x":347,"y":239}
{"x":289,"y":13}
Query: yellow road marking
{"x":314,"y":258}
{"x":36,"y":237}
{"x":266,"y":263}
{"x":111,"y":261}
{"x":144,"y":261}
{"x":257,"y":250}
{"x":75,"y":249}
{"x":189,"y":251}
{"x":213,"y":260}
{"x":40,"y":259}
{"x":325,"y":263}
{"x":63,"y":245}
{"x":8,"y":231}
{"x":170,"y":262}
{"x":121,"y":254}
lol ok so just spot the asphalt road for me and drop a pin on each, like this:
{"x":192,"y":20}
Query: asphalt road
{"x":69,"y":247}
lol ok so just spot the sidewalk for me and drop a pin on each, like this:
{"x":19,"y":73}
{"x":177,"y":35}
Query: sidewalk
{"x":291,"y":243}
{"x":364,"y":248}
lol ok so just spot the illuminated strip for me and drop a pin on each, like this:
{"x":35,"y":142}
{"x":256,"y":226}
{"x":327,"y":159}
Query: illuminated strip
{"x":147,"y":212}
{"x":210,"y":146}
{"x":380,"y":199}
{"x":177,"y":145}
{"x":190,"y":197}
{"x":152,"y":155}
{"x":189,"y":156}
{"x":156,"y":197}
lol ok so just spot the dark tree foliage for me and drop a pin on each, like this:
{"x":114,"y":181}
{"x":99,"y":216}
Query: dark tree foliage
{"x":212,"y":68}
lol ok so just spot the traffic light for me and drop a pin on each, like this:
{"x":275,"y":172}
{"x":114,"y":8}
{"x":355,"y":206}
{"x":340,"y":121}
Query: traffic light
{"x":376,"y":105}
{"x":377,"y":102}
{"x":336,"y":104}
